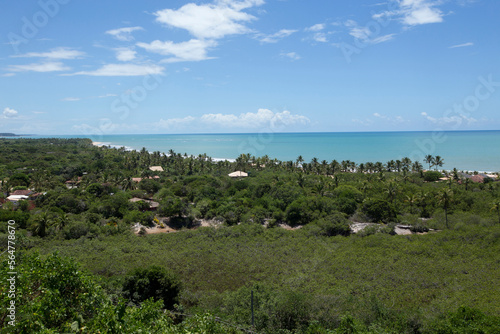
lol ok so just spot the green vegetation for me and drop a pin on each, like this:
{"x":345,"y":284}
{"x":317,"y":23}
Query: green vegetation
{"x":82,"y":269}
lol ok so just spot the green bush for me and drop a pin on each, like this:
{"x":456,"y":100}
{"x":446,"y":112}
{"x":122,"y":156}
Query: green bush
{"x":153,"y":282}
{"x":432,"y":176}
{"x":334,"y":224}
{"x":379,"y":210}
{"x":51,"y":293}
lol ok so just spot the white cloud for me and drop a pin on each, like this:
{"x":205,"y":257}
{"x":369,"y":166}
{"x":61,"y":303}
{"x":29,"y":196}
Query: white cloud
{"x":192,"y":50}
{"x":124,"y":34}
{"x":396,"y":119}
{"x":273,"y":38}
{"x":73,"y":99}
{"x":455,"y":120}
{"x":382,"y":39}
{"x":320,"y":37}
{"x":9,"y":113}
{"x":115,"y":70}
{"x":316,"y":27}
{"x":39,"y":67}
{"x":175,"y":122}
{"x":291,"y":55}
{"x":263,"y":118}
{"x":106,"y":95}
{"x":461,"y":45}
{"x":365,"y":34}
{"x":212,"y":21}
{"x":57,"y":53}
{"x":415,"y":12}
{"x":125,"y":54}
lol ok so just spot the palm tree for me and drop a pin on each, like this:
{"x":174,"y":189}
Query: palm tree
{"x":445,"y":198}
{"x":361,"y":168}
{"x":421,"y":200}
{"x":391,"y":165}
{"x":467,"y":182}
{"x":411,"y":199}
{"x":406,"y":163}
{"x":417,"y":166}
{"x":379,"y":167}
{"x":324,"y":165}
{"x":496,"y":207}
{"x":61,"y":221}
{"x":365,"y":187}
{"x":334,"y":165}
{"x":299,"y":161}
{"x":319,"y":188}
{"x":430,"y":160}
{"x":391,"y":191}
{"x":314,"y":164}
{"x":41,"y":224}
{"x":438,"y":161}
{"x":127,"y":183}
{"x":399,"y":165}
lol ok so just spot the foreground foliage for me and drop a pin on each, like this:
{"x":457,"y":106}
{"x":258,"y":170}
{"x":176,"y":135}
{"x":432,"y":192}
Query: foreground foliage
{"x":318,"y":278}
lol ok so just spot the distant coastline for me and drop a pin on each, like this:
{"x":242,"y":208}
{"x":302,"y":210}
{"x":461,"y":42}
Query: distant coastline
{"x":464,"y":150}
{"x":7,"y":134}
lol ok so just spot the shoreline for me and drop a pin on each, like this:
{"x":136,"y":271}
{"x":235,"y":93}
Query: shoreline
{"x":127,"y":148}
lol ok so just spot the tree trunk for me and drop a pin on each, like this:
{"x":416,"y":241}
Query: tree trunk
{"x":446,"y":216}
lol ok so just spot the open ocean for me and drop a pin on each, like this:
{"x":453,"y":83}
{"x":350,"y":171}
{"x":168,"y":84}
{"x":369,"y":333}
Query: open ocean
{"x":465,"y":150}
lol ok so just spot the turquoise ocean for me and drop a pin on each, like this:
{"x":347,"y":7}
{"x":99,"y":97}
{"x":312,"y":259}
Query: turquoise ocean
{"x":464,"y":150}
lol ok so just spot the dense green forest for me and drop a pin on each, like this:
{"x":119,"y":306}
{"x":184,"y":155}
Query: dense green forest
{"x":104,"y":243}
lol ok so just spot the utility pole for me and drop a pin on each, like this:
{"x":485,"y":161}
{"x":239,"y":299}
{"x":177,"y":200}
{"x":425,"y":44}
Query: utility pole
{"x":252,"y":310}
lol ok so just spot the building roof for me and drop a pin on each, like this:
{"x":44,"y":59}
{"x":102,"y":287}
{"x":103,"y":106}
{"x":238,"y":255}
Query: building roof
{"x":139,"y":179}
{"x":238,"y":173}
{"x":156,"y":168}
{"x":477,"y":179}
{"x":21,"y":192}
{"x":15,"y":198}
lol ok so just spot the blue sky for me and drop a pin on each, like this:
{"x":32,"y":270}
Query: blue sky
{"x":117,"y":67}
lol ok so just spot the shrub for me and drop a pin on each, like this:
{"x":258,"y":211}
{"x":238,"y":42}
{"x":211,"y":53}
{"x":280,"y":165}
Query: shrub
{"x":51,"y":293}
{"x":432,"y":176}
{"x":334,"y":224}
{"x":348,"y":192}
{"x":153,"y":282}
{"x":379,"y":210}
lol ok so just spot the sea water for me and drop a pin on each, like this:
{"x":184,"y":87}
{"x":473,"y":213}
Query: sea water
{"x":464,"y":150}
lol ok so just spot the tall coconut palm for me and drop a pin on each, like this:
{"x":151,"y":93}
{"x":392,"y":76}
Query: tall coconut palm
{"x":391,"y":165}
{"x":335,"y":166}
{"x":61,"y":221}
{"x":299,"y":161}
{"x":417,"y":167}
{"x":399,"y":165}
{"x":411,"y":199}
{"x":430,"y":160}
{"x":438,"y":161}
{"x":406,"y":163}
{"x":496,"y":207}
{"x":41,"y":224}
{"x":391,"y":191}
{"x":127,"y":183}
{"x":445,"y":198}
